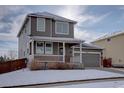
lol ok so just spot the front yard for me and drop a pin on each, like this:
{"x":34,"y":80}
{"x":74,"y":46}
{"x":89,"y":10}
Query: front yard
{"x":27,"y":77}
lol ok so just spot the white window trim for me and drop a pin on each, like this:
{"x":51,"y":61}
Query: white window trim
{"x":36,"y":47}
{"x":44,"y":24}
{"x":51,"y":48}
{"x":56,"y":32}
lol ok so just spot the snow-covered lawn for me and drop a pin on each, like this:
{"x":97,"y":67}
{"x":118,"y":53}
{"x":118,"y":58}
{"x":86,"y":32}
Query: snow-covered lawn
{"x":109,"y":84}
{"x":25,"y":77}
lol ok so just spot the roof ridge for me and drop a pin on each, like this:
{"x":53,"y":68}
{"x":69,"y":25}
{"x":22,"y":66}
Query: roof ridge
{"x":110,"y":35}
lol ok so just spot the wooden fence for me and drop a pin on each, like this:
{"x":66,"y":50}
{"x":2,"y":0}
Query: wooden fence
{"x":12,"y":65}
{"x":107,"y":62}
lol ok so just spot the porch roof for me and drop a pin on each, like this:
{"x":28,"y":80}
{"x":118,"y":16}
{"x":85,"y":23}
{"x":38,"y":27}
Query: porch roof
{"x":90,"y":46}
{"x":56,"y":39}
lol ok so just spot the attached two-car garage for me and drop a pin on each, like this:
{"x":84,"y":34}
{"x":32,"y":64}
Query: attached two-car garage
{"x":91,"y":55}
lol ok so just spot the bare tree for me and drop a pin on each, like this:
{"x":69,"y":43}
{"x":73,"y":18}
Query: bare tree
{"x":4,"y":58}
{"x":12,"y":54}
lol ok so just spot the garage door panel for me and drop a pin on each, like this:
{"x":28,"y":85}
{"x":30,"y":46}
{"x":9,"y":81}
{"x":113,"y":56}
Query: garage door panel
{"x":91,"y":60}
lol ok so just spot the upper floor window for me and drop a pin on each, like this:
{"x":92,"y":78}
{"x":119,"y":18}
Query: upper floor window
{"x":41,"y":24}
{"x":62,"y":27}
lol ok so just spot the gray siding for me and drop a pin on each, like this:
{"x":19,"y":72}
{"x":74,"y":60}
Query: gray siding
{"x":50,"y":29}
{"x":55,"y":48}
{"x":23,"y":41}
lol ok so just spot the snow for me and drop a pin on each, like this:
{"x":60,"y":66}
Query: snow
{"x":109,"y":84}
{"x":25,"y":77}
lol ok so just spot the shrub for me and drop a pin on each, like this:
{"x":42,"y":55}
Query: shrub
{"x":37,"y":65}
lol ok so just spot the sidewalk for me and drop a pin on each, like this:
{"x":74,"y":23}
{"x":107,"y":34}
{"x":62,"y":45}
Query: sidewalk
{"x":115,"y":70}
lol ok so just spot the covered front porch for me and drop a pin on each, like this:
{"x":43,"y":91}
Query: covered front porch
{"x":54,"y":49}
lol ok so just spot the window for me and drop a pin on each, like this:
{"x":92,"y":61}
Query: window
{"x":62,"y":28}
{"x":44,"y":48}
{"x":40,"y":47}
{"x":41,"y":24}
{"x":61,"y":51}
{"x":48,"y":48}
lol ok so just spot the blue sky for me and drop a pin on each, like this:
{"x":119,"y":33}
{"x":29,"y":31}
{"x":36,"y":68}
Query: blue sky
{"x":93,"y":21}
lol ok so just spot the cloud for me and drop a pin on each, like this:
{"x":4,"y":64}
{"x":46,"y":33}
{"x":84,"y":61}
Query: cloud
{"x":9,"y":29}
{"x":14,"y":25}
{"x":97,"y":19}
{"x":7,"y":9}
{"x":79,"y":14}
{"x":74,"y":12}
{"x":86,"y":35}
{"x":121,"y":7}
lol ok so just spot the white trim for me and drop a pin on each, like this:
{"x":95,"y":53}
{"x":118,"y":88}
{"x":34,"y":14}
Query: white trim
{"x":91,"y":52}
{"x":56,"y":32}
{"x":63,"y":51}
{"x":87,"y":52}
{"x":51,"y":47}
{"x":80,"y":52}
{"x":72,"y":50}
{"x":30,"y":50}
{"x":48,"y":61}
{"x":32,"y":47}
{"x":56,"y":39}
{"x":46,"y":55}
{"x":44,"y":24}
{"x":58,"y":48}
{"x":100,"y":60}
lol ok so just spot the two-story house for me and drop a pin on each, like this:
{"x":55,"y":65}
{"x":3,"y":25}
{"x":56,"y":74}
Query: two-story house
{"x":46,"y":37}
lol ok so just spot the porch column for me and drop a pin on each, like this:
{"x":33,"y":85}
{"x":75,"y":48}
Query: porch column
{"x":63,"y":52}
{"x":73,"y":53}
{"x":81,"y":52}
{"x":32,"y":46}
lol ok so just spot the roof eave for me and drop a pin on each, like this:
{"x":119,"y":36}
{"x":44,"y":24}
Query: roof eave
{"x":75,"y":22}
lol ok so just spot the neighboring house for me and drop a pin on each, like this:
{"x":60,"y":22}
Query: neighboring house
{"x":113,"y":47}
{"x":50,"y":38}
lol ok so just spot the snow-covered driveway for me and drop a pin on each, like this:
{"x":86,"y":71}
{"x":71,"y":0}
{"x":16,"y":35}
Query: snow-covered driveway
{"x":25,"y":77}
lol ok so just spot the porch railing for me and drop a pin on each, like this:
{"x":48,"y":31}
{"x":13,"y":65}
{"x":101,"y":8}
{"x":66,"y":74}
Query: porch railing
{"x":49,"y":58}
